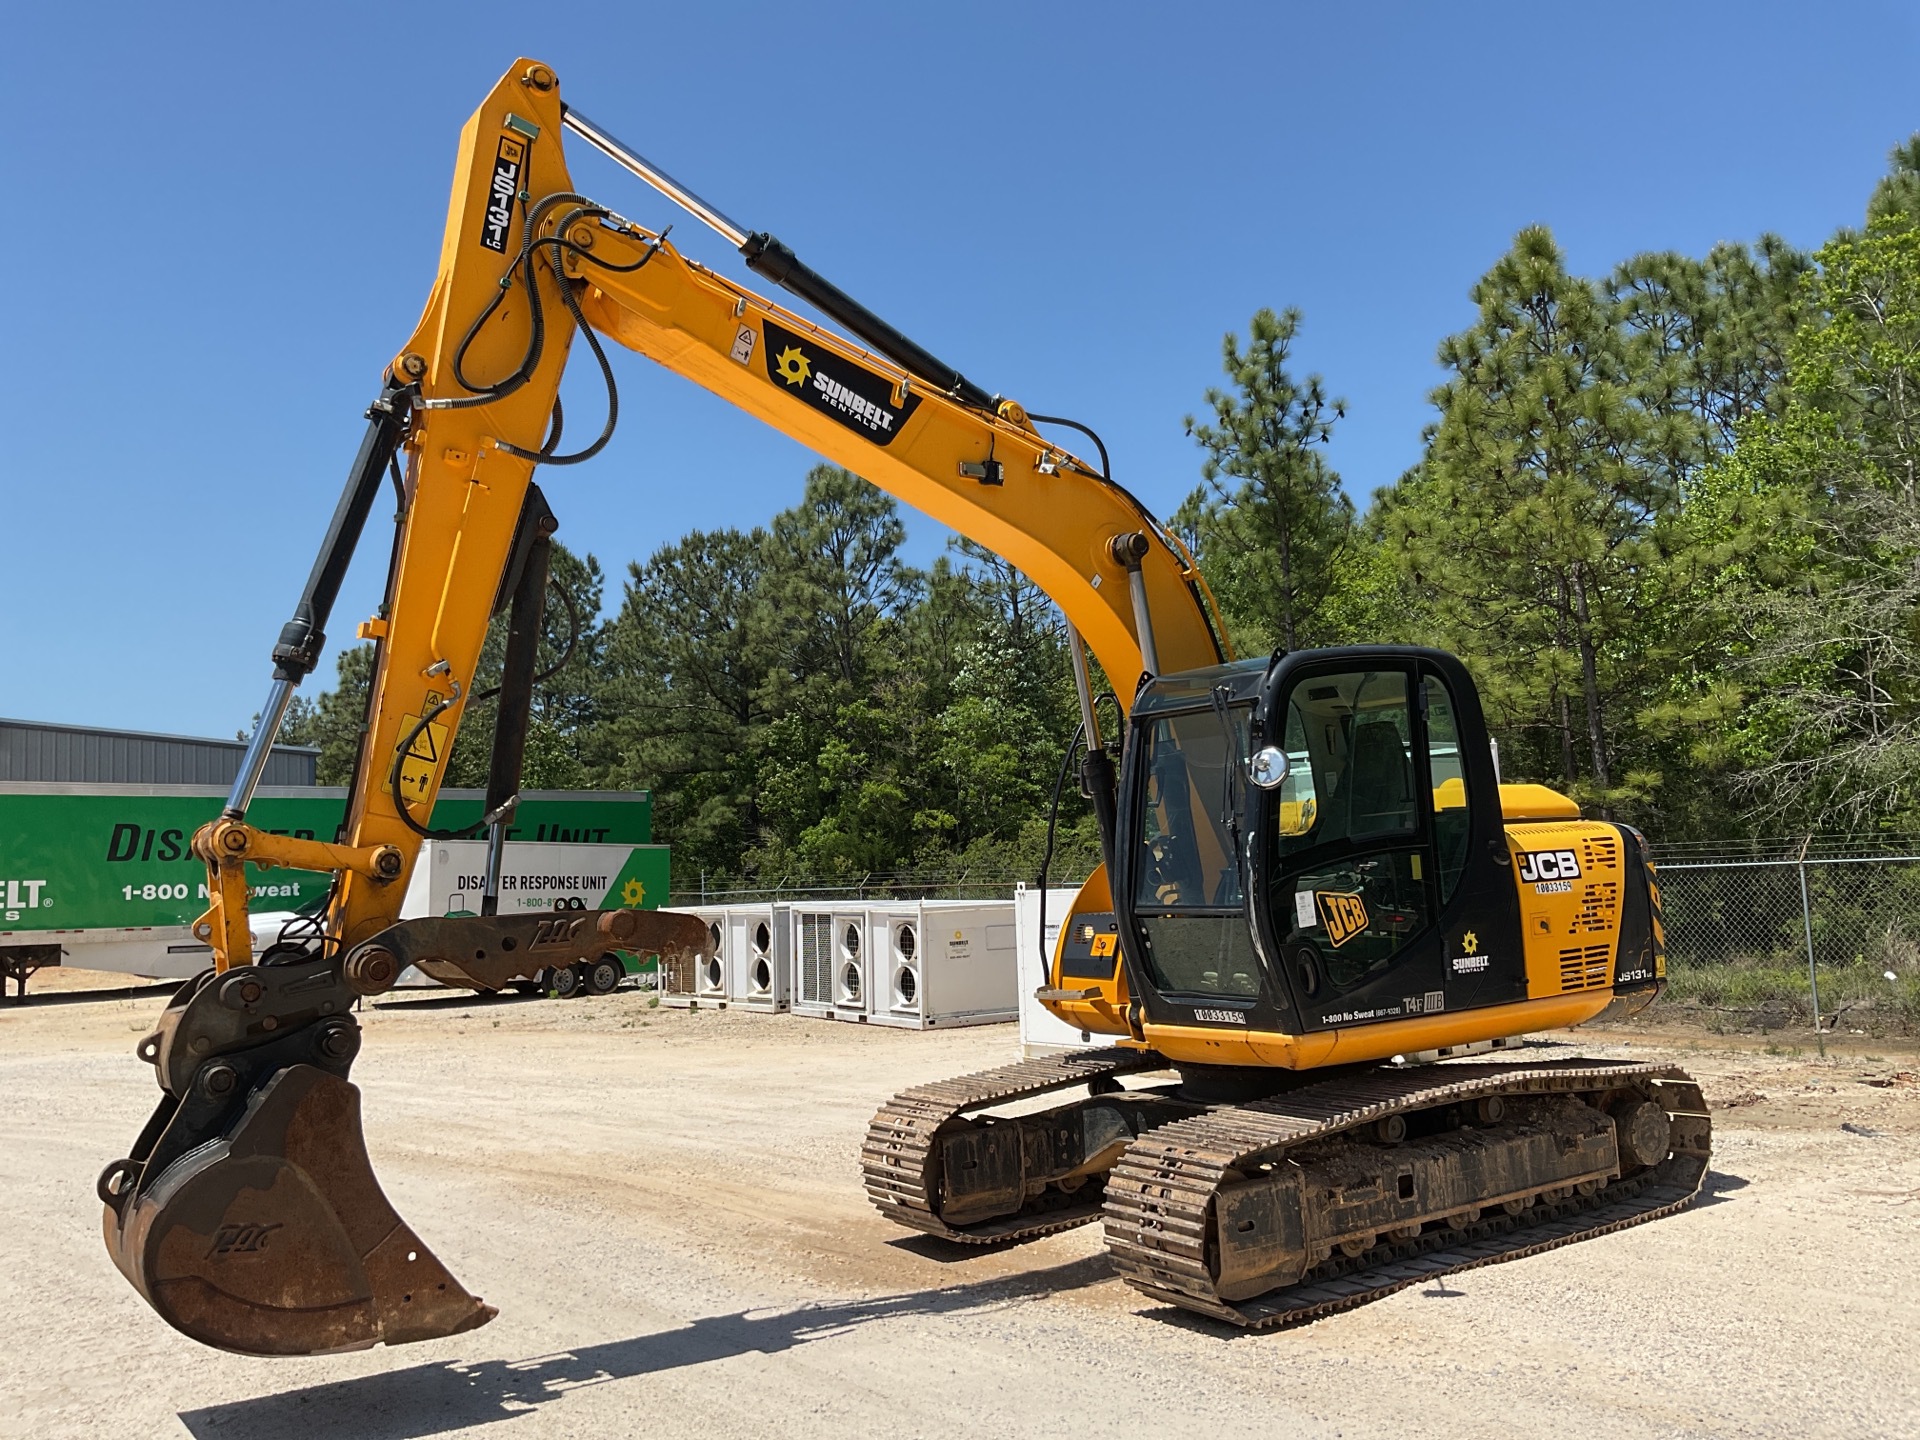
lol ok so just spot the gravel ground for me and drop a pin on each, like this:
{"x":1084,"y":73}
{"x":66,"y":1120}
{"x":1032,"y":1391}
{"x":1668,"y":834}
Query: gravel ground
{"x":666,"y":1207}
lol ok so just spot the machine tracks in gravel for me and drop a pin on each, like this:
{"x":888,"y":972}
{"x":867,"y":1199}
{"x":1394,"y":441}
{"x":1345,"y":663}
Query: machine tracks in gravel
{"x":899,"y":1159}
{"x":1163,"y":1198}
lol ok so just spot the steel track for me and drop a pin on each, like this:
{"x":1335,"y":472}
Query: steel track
{"x":1159,"y":1196}
{"x":900,"y":1166}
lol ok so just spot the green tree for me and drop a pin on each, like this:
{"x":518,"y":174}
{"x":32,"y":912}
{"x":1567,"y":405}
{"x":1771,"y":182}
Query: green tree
{"x":1896,"y":199}
{"x":679,"y":700}
{"x":1706,"y":343}
{"x":829,"y":611}
{"x":1271,"y":524}
{"x":1530,"y":533}
{"x":1823,"y":504}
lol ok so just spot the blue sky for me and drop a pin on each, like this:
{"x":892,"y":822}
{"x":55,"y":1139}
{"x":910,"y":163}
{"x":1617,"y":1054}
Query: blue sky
{"x":227,"y":218}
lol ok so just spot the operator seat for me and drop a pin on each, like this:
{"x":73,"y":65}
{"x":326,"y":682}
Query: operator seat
{"x":1379,"y":782}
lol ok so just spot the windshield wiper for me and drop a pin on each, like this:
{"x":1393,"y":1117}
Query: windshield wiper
{"x":1230,"y":772}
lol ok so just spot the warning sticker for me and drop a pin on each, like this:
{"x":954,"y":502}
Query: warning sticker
{"x":1303,"y":909}
{"x":423,"y":758}
{"x":743,"y":344}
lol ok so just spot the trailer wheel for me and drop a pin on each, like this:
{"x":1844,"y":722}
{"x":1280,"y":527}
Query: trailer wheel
{"x":565,"y":981}
{"x":605,"y":974}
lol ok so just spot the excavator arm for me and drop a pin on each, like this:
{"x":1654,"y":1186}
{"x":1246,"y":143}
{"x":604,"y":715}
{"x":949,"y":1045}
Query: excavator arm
{"x":248,"y":1214}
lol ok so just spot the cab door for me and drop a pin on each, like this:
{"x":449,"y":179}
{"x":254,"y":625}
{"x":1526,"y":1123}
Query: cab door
{"x":1388,"y":894}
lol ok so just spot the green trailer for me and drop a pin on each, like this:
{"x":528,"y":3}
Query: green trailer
{"x":102,"y":875}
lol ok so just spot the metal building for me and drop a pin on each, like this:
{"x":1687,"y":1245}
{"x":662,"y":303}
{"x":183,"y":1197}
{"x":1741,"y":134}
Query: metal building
{"x":34,"y":750}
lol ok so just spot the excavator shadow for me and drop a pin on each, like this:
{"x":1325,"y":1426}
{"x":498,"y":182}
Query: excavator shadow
{"x":945,"y":1252}
{"x":1715,"y":1189}
{"x":426,"y":1400}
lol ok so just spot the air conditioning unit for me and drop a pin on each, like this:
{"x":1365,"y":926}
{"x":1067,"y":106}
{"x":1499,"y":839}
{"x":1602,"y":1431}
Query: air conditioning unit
{"x":1041,"y":1031}
{"x":701,"y":980}
{"x":943,"y":963}
{"x":760,"y":956}
{"x":831,"y":963}
{"x":812,"y":962}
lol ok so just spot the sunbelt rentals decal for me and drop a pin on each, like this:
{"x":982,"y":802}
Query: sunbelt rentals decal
{"x":19,"y":895}
{"x":856,"y":397}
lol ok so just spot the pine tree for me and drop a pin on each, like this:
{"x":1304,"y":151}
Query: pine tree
{"x":1272,"y":523}
{"x":1531,"y":530}
{"x":680,"y":693}
{"x":1824,"y":500}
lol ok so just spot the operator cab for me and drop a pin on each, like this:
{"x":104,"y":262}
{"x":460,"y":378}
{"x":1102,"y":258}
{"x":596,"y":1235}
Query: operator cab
{"x":1311,"y":842}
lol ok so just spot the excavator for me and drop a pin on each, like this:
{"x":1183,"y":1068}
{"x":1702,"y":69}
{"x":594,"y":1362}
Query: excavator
{"x":1315,"y":884}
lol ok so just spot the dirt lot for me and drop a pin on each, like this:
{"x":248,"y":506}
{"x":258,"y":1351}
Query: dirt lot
{"x":666,"y":1208}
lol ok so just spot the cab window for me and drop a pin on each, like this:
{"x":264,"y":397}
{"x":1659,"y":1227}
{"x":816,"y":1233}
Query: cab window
{"x":1190,"y":812}
{"x":1351,"y":885}
{"x":1452,"y":820}
{"x":1187,"y":873}
{"x":1357,"y":783}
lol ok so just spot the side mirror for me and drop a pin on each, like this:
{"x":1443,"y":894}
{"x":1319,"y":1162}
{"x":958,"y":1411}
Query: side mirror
{"x":1268,"y":767}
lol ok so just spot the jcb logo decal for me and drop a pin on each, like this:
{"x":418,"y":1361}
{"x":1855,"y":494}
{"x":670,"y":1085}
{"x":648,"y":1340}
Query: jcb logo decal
{"x":241,"y":1239}
{"x":1536,"y":865}
{"x":557,"y":934}
{"x":1345,"y":916}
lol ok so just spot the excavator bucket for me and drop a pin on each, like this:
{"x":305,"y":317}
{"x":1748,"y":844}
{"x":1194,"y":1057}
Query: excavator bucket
{"x":248,"y":1215}
{"x":277,"y":1240}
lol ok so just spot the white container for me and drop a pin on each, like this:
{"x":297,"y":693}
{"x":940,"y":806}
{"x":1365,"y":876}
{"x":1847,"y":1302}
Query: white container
{"x":942,"y":963}
{"x":1041,"y":1031}
{"x":759,"y":941}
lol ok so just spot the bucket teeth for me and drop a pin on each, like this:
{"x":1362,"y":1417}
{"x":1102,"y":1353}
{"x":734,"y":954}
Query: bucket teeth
{"x":277,"y":1240}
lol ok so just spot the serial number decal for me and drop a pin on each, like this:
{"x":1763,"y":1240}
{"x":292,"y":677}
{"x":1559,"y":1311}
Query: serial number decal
{"x":508,"y":163}
{"x":857,"y":398}
{"x":1539,"y":865}
{"x":1220,"y":1017}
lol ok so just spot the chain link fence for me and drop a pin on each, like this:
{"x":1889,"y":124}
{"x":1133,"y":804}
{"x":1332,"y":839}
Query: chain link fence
{"x":1761,"y":934}
{"x":875,"y":885}
{"x":1789,"y":933}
